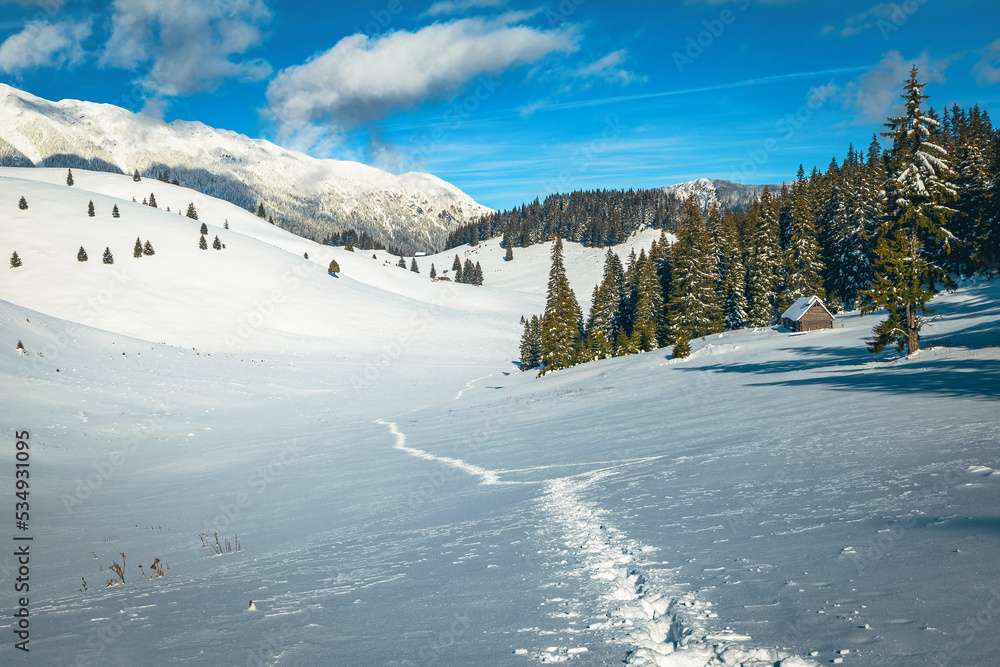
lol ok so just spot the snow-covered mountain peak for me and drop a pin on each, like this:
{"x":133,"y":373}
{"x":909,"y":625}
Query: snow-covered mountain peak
{"x":306,"y":195}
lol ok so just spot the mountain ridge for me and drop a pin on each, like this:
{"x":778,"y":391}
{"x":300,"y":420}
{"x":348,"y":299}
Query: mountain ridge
{"x":307,"y":196}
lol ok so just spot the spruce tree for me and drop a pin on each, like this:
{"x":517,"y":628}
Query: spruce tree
{"x":136,"y":177}
{"x":225,"y":225}
{"x":191,"y":212}
{"x":509,"y":256}
{"x":478,"y":274}
{"x":202,"y":243}
{"x":137,"y":250}
{"x":147,"y":249}
{"x":648,"y":305}
{"x":401,"y":263}
{"x":468,"y":272}
{"x":334,"y":267}
{"x":81,"y":255}
{"x":115,"y":213}
{"x":763,"y":263}
{"x":905,"y":273}
{"x":15,"y":260}
{"x":605,"y":309}
{"x":456,"y":267}
{"x":561,"y":335}
{"x":433,"y":272}
{"x":69,"y":177}
{"x":304,"y":255}
{"x":204,"y":228}
{"x":152,"y":200}
{"x":23,"y":204}
{"x":733,"y":289}
{"x":413,"y":265}
{"x":682,"y":349}
{"x":261,"y":213}
{"x":531,"y":343}
{"x":90,"y":209}
{"x":695,"y":308}
{"x":108,"y":257}
{"x":803,"y":266}
{"x":217,"y":245}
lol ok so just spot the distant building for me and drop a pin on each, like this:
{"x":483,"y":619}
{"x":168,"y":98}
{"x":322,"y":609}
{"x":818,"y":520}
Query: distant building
{"x":807,"y":314}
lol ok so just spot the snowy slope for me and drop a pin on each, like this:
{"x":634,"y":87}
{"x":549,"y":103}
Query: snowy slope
{"x":403,"y":495}
{"x":309,"y":196}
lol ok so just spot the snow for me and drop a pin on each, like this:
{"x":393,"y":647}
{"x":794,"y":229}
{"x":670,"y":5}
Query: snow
{"x":403,"y":495}
{"x":801,"y":307}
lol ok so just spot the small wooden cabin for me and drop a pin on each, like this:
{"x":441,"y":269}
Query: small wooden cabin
{"x":807,"y":314}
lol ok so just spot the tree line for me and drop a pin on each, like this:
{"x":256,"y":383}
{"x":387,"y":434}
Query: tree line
{"x":885,"y":229}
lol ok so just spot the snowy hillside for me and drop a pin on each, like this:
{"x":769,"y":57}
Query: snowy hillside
{"x":726,"y":194}
{"x":308,"y":196}
{"x":402,"y":495}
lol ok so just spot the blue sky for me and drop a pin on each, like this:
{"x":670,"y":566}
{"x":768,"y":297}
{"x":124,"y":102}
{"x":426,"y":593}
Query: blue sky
{"x":513,"y":99}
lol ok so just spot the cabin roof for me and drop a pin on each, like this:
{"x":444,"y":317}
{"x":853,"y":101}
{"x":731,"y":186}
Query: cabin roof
{"x":798,"y":309}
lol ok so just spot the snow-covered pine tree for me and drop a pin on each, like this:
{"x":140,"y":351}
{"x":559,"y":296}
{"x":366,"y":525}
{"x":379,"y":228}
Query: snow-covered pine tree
{"x":468,"y":272}
{"x":137,"y":250}
{"x":81,"y":255}
{"x":90,"y":209}
{"x":147,"y":249}
{"x":763,"y":262}
{"x":136,"y":177}
{"x":217,"y":245}
{"x":23,"y":204}
{"x":204,"y":228}
{"x":334,"y":268}
{"x":456,"y":267}
{"x":605,"y":306}
{"x":561,"y":324}
{"x":108,"y":257}
{"x":695,"y":307}
{"x":531,"y":343}
{"x":152,"y":200}
{"x":401,"y":263}
{"x":261,"y":212}
{"x":69,"y":177}
{"x":115,"y":213}
{"x":648,"y":305}
{"x":225,"y":225}
{"x":433,"y":272}
{"x":202,"y":243}
{"x":191,"y":212}
{"x":682,"y":349}
{"x":15,"y":260}
{"x":413,"y":265}
{"x":479,"y":275}
{"x":733,"y":289}
{"x":921,"y":196}
{"x":803,"y":265}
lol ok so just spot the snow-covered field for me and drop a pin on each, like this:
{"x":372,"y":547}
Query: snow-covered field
{"x":403,"y":495}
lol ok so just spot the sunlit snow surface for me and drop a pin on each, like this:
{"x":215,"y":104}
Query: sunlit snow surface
{"x":403,"y":495}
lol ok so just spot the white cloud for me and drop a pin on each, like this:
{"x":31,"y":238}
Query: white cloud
{"x":609,"y":69}
{"x":453,"y":7}
{"x":44,"y":44}
{"x":987,"y":70}
{"x":187,"y":46}
{"x":859,"y":23}
{"x":876,"y":95}
{"x":362,"y":80}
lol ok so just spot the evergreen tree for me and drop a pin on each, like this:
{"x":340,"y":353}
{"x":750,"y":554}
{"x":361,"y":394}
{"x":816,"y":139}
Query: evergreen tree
{"x":605,"y":309}
{"x":115,"y":212}
{"x":136,"y":177}
{"x":108,"y":257}
{"x":15,"y":260}
{"x":456,"y":268}
{"x":217,"y":245}
{"x":145,"y":202}
{"x":90,"y":209}
{"x":204,"y":228}
{"x":202,"y":243}
{"x":478,"y":274}
{"x":803,"y":266}
{"x":734,"y":300}
{"x":648,"y":305}
{"x":905,"y":272}
{"x":81,"y":255}
{"x":695,"y":308}
{"x":147,"y":249}
{"x":23,"y":204}
{"x":509,"y":256}
{"x":304,"y":255}
{"x":531,"y":343}
{"x":191,"y":212}
{"x":152,"y":200}
{"x":763,"y":262}
{"x":561,"y":335}
{"x":401,"y":263}
{"x":69,"y":177}
{"x":468,"y":272}
{"x":682,"y":349}
{"x":433,"y":272}
{"x":137,"y":250}
{"x":20,"y":346}
{"x":334,"y":267}
{"x":261,"y":213}
{"x":413,"y":265}
{"x":225,"y":225}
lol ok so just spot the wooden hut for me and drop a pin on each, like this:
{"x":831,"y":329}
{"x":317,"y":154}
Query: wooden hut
{"x":807,"y":314}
